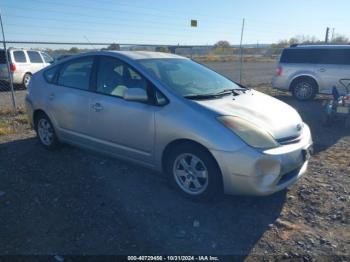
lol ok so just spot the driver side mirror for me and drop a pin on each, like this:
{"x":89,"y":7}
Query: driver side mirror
{"x":136,"y":95}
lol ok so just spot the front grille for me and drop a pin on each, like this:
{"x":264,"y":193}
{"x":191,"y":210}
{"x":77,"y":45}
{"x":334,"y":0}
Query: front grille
{"x":289,"y":140}
{"x":289,"y":176}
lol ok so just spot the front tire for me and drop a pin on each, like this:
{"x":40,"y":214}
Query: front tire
{"x":304,"y":89}
{"x":193,"y":171}
{"x":45,"y":132}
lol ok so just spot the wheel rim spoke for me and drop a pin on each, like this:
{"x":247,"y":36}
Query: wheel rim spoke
{"x":194,"y":162}
{"x":190,"y":174}
{"x":45,"y":132}
{"x":181,"y":173}
{"x":196,"y":183}
{"x":184,"y":163}
{"x":187,"y":183}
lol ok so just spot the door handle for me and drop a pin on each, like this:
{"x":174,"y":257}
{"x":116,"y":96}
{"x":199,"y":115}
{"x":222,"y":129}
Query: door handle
{"x":51,"y":96}
{"x":97,"y":107}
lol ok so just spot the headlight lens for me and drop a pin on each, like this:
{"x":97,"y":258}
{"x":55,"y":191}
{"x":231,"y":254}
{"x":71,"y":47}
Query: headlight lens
{"x":248,"y":132}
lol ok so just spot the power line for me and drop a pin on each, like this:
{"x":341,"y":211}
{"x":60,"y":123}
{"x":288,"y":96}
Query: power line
{"x":175,"y":15}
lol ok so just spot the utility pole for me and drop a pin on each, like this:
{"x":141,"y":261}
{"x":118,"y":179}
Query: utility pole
{"x":327,"y":35}
{"x":8,"y":64}
{"x":241,"y":53}
{"x":333,"y":31}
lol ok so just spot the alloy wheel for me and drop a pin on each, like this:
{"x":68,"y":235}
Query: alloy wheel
{"x":45,"y":132}
{"x":303,"y":90}
{"x":190,"y":174}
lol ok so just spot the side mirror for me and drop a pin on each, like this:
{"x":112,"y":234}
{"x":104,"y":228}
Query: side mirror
{"x":135,"y":94}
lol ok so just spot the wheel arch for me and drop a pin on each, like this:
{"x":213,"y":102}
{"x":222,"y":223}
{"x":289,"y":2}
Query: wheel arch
{"x":300,"y":77}
{"x":175,"y":143}
{"x":36,"y":113}
{"x":26,"y":73}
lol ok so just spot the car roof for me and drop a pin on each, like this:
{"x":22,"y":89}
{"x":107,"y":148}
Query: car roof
{"x":320,"y":47}
{"x":138,"y":55}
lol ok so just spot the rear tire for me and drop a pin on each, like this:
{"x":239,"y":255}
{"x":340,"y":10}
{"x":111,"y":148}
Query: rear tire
{"x":45,"y":132}
{"x":193,"y":171}
{"x":304,"y":89}
{"x":26,"y":80}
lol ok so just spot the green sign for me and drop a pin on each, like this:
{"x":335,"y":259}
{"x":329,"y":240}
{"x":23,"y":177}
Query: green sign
{"x":193,"y":23}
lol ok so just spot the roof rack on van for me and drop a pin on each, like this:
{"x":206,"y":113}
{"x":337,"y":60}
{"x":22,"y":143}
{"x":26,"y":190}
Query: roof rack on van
{"x":319,"y":45}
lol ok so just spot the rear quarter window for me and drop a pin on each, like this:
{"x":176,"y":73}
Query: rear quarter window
{"x":48,"y":59}
{"x":19,"y":57}
{"x":50,"y":74}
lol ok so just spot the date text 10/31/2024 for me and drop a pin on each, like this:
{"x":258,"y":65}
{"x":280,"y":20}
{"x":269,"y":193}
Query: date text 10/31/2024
{"x":173,"y":258}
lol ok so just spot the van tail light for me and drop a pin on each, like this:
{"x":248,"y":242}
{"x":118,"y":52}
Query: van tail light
{"x":279,"y":71}
{"x":12,"y":67}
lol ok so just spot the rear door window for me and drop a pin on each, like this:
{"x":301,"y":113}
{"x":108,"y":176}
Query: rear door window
{"x":19,"y":57}
{"x":34,"y":57}
{"x":114,"y":77}
{"x":76,"y":73}
{"x":336,"y":56}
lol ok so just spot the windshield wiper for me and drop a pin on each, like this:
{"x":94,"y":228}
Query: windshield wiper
{"x":203,"y":96}
{"x":217,"y":95}
{"x":232,"y":91}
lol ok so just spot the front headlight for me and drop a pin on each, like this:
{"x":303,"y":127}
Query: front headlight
{"x":248,"y":132}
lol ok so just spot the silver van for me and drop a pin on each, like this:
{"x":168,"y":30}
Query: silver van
{"x":307,"y":70}
{"x":23,"y":64}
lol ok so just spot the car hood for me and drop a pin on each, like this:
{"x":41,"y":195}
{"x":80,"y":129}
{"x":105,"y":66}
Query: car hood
{"x":276,"y":117}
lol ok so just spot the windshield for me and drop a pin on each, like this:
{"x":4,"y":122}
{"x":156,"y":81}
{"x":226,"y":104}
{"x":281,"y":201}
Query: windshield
{"x":186,"y":77}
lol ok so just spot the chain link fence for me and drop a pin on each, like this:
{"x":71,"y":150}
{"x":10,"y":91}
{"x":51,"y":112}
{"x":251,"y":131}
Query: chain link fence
{"x":258,"y":62}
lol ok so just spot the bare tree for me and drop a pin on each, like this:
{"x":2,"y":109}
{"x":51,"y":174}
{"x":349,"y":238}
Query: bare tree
{"x":222,"y":45}
{"x":113,"y":47}
{"x":340,"y":39}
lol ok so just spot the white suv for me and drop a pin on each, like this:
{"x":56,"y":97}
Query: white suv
{"x":23,"y":64}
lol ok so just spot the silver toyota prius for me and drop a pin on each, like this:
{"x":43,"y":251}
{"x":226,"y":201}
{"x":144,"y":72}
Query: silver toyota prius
{"x":206,"y":133}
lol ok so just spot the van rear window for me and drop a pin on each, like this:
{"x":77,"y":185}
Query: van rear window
{"x":335,"y":56}
{"x":19,"y":57}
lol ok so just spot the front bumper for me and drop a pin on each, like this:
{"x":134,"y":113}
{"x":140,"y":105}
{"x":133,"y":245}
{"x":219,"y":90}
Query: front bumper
{"x":250,"y":172}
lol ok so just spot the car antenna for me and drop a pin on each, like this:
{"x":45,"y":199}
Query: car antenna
{"x":87,"y":39}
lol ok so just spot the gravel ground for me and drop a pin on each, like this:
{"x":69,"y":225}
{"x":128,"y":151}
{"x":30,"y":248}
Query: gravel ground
{"x":72,"y":201}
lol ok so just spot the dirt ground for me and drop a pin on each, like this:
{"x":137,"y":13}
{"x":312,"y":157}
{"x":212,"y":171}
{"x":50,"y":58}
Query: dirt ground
{"x":72,"y":201}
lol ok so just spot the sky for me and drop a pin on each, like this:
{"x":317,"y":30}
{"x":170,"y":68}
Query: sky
{"x":168,"y":22}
